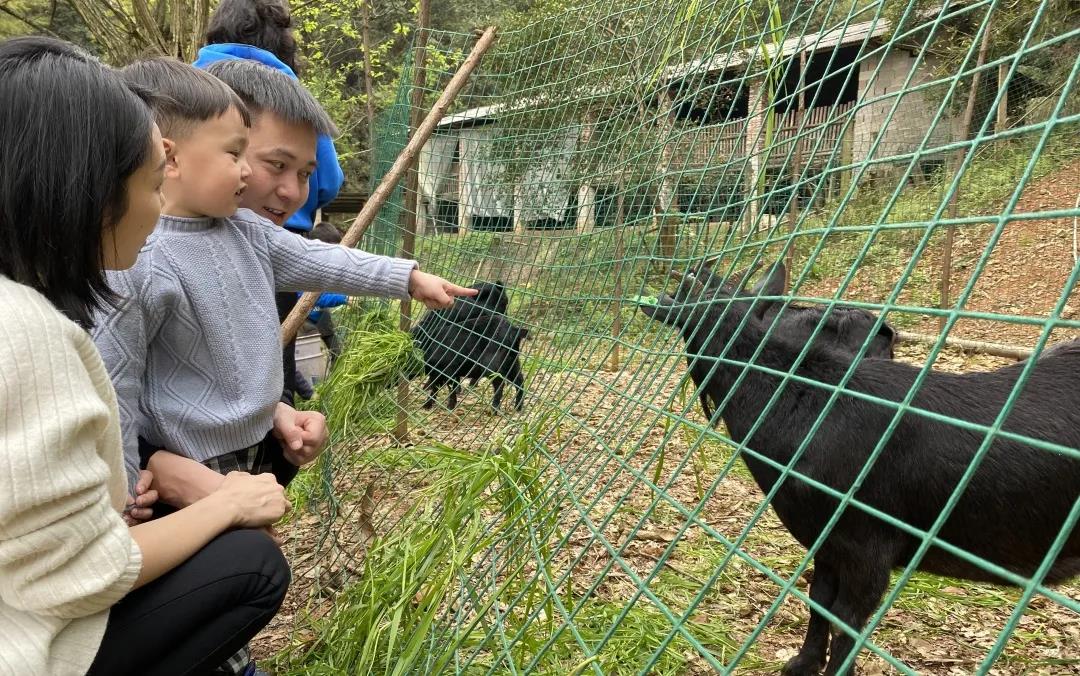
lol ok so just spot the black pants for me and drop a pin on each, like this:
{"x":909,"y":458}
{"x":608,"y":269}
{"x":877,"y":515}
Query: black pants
{"x":328,"y":332}
{"x":191,"y":619}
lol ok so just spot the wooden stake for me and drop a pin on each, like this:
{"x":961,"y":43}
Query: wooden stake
{"x":616,"y":326}
{"x":1002,"y":121}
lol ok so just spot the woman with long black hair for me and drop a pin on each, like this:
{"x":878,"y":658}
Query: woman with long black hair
{"x":80,"y":175}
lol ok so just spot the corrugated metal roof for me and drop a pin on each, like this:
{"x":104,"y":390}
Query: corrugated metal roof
{"x":814,"y":42}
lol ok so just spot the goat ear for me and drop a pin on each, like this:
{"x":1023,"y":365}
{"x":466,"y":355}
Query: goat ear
{"x":690,"y":287}
{"x":772,"y":284}
{"x":707,"y":277}
{"x":742,"y":279}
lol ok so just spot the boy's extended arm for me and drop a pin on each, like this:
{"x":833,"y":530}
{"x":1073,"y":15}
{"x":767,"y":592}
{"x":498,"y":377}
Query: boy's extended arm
{"x":309,"y":265}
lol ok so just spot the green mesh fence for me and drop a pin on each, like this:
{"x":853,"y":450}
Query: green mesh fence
{"x":608,"y":527}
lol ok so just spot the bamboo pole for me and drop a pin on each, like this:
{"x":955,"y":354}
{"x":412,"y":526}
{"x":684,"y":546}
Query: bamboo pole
{"x":995,"y":349}
{"x":386,"y":187}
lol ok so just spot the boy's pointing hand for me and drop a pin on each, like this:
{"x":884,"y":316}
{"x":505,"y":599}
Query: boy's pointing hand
{"x":434,"y":291}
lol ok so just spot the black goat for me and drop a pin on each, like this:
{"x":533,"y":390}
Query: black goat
{"x":477,"y":348}
{"x":845,"y":328}
{"x":1017,"y":501}
{"x":490,"y":299}
{"x":473,"y":339}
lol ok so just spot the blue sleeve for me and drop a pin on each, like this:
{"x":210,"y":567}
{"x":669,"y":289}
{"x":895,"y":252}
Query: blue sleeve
{"x":331,"y":300}
{"x":328,"y":176}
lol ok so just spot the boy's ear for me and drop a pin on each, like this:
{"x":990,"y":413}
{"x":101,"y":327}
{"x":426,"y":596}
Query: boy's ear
{"x":172,"y":169}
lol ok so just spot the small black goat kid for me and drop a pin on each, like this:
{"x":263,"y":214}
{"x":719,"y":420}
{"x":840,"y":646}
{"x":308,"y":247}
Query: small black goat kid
{"x":473,"y":339}
{"x":1017,"y":501}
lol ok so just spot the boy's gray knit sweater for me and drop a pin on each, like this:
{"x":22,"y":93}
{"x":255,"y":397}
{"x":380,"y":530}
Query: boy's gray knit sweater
{"x":193,"y":345}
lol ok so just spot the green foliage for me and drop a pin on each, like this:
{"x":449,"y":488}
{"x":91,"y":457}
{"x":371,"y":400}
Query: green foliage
{"x":357,"y":397}
{"x":43,"y":17}
{"x":390,"y":619}
{"x":1039,"y":73}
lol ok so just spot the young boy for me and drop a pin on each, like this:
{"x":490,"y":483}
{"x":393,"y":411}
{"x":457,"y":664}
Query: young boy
{"x":186,"y":381}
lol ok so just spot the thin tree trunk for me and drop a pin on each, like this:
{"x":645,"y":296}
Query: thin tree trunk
{"x":954,"y":198}
{"x":412,"y":188}
{"x":369,"y":85}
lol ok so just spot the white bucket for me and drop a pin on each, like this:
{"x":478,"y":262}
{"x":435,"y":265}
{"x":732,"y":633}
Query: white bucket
{"x":312,"y":357}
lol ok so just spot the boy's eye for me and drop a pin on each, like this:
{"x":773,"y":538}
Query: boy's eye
{"x":305,"y":175}
{"x":280,"y":166}
{"x":235,"y":153}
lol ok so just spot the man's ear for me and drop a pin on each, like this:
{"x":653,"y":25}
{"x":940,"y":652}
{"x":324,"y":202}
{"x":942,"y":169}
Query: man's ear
{"x":172,"y":168}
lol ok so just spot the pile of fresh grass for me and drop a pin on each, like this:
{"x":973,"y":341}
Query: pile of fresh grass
{"x":358,"y":397}
{"x":391,"y":619}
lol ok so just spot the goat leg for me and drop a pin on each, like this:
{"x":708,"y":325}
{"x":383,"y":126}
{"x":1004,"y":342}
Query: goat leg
{"x":856,"y":598}
{"x":518,"y":378}
{"x":811,"y":658}
{"x":451,"y":401}
{"x":432,"y":388}
{"x":497,"y":383}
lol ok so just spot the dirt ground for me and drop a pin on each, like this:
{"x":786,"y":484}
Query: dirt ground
{"x":612,"y":433}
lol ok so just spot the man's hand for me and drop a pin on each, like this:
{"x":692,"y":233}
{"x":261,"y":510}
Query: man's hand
{"x":435,"y":292}
{"x":181,"y":481}
{"x":302,"y":433}
{"x":140,"y":507}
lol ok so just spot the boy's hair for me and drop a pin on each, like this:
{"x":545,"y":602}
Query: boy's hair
{"x":265,"y":24}
{"x":72,"y":133}
{"x":326,"y":232}
{"x":263,"y":88}
{"x":185,"y":95}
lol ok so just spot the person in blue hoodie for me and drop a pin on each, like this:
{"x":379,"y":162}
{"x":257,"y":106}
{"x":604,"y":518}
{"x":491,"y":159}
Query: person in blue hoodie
{"x":320,"y":319}
{"x":261,"y":31}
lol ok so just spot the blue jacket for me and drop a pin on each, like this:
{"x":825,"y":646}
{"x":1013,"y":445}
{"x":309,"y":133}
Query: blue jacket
{"x":326,"y":300}
{"x":328,"y":177}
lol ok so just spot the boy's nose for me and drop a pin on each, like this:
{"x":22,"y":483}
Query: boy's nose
{"x":245,"y":168}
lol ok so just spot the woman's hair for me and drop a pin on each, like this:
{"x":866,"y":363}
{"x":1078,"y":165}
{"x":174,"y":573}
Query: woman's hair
{"x":265,"y":24}
{"x":71,"y":134}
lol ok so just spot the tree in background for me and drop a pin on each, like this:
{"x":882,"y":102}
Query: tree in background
{"x":43,"y":17}
{"x":353,"y":50}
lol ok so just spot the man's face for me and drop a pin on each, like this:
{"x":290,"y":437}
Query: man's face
{"x":282,"y":159}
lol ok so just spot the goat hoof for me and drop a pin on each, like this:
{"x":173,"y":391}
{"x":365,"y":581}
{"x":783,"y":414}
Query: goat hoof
{"x":803,"y":666}
{"x":428,"y":404}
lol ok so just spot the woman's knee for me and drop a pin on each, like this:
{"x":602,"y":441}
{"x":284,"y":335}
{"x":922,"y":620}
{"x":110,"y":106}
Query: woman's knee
{"x":262,"y":562}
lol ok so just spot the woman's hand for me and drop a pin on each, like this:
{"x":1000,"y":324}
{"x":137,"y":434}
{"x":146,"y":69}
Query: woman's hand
{"x":140,"y":507}
{"x":254,"y":500}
